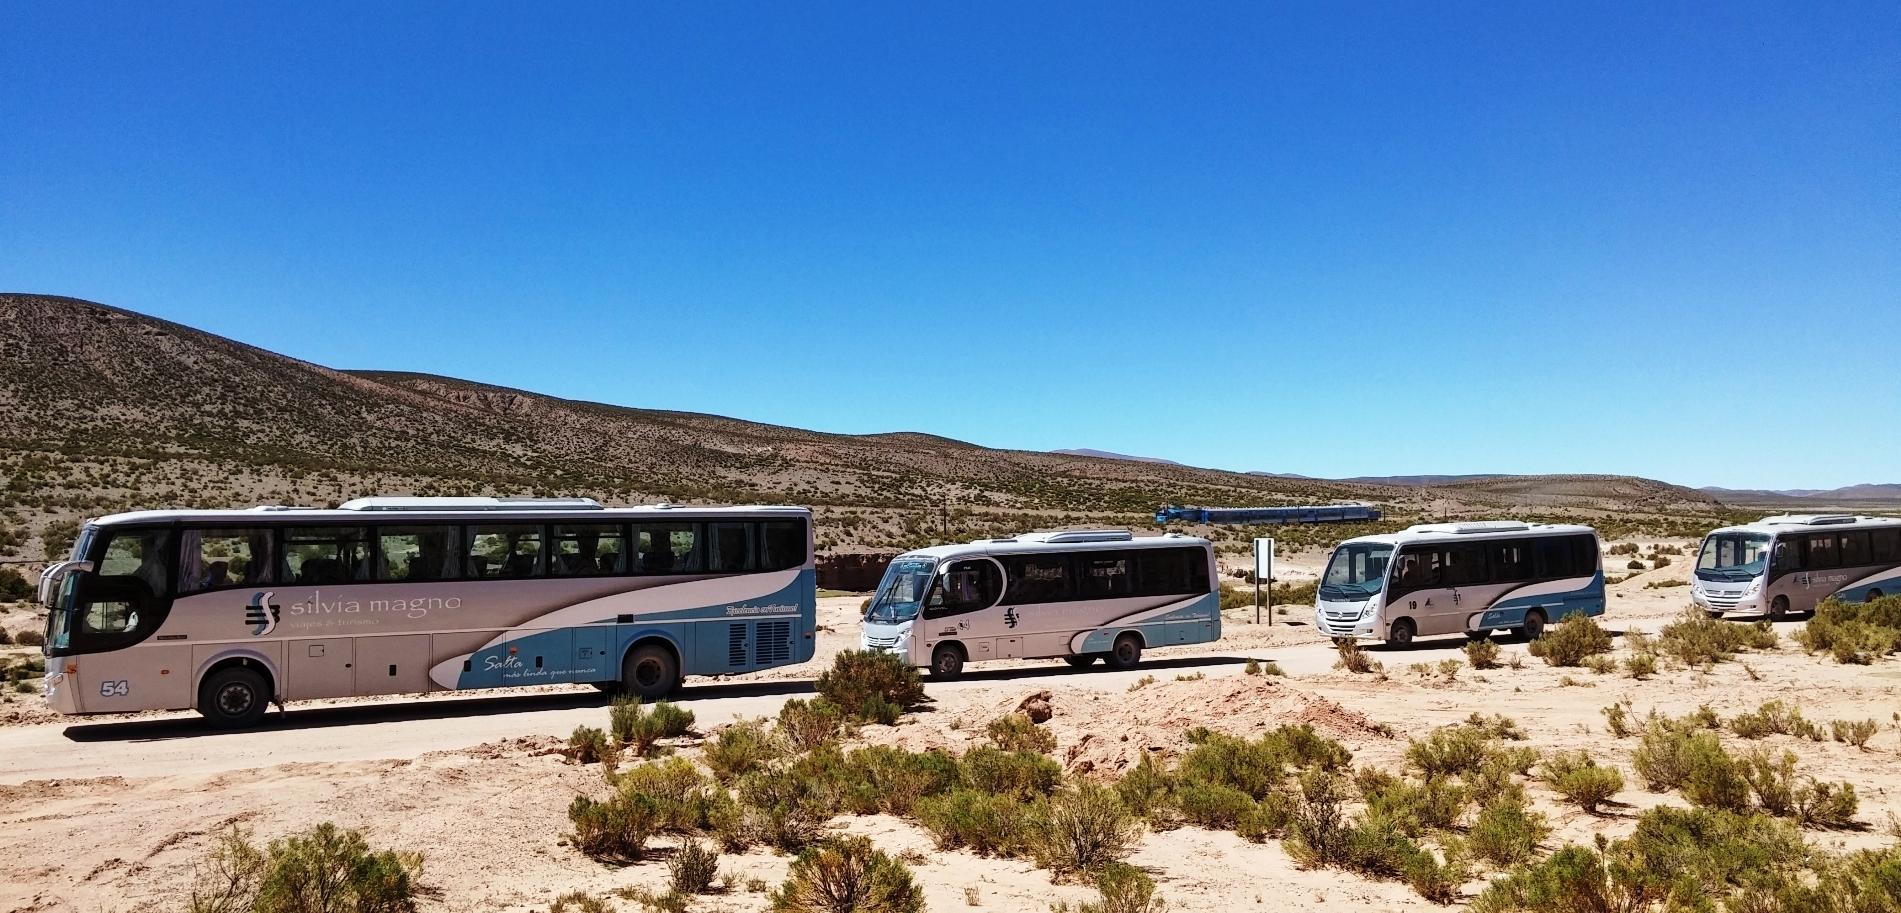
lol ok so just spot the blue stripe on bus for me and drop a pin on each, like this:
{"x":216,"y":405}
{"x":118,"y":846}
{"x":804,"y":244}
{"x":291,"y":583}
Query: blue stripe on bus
{"x":1197,"y":622}
{"x":1889,"y":586}
{"x":1510,"y":611}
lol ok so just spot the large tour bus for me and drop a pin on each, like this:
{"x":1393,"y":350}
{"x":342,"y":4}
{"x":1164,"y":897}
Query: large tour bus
{"x":1785,"y":564}
{"x":1075,"y":594}
{"x":227,"y":611}
{"x":1460,"y":578}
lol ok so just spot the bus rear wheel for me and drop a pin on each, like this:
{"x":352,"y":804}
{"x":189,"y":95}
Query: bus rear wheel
{"x":947,"y":661}
{"x":1534,"y":625}
{"x":1126,"y":653}
{"x":1478,"y":635}
{"x":649,"y":672}
{"x":1082,"y":661}
{"x":1400,"y":634}
{"x":233,"y":697}
{"x":1872,"y":596}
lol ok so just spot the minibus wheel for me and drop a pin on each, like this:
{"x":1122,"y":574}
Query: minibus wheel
{"x":1400,"y":634}
{"x":1082,"y":661}
{"x":1478,"y":635}
{"x":1534,"y":625}
{"x":1872,"y":596}
{"x":1126,"y":653}
{"x":947,"y":661}
{"x":649,"y":672}
{"x":1779,"y":607}
{"x":233,"y":697}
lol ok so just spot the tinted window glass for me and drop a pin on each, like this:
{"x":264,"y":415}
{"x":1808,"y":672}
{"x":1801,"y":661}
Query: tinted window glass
{"x":1163,"y":572}
{"x":504,"y":552}
{"x":320,"y":555}
{"x":781,"y":545}
{"x":1511,"y":561}
{"x":586,"y":549}
{"x":1584,"y":556}
{"x":418,"y":553}
{"x":1417,"y":569}
{"x":141,"y":554}
{"x":666,"y":548}
{"x":1854,"y":549}
{"x":1787,"y":556}
{"x":730,"y":547}
{"x":965,"y":586}
{"x":1103,"y":576}
{"x":1038,"y":578}
{"x":213,"y":558}
{"x":1884,"y":545}
{"x":1553,"y":557}
{"x":1465,"y":564}
{"x":1819,"y":551}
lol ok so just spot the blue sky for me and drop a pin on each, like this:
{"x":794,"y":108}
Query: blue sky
{"x":1659,"y":239}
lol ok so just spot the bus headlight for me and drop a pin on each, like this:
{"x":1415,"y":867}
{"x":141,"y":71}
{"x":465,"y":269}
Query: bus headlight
{"x":1755,"y":586}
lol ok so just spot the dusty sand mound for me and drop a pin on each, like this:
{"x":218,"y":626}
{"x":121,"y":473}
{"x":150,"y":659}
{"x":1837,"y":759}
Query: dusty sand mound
{"x":1103,"y":734}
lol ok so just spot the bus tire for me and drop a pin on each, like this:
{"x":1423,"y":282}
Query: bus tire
{"x":1478,"y":635}
{"x":1534,"y":625}
{"x":233,"y":697}
{"x":1126,"y":653}
{"x":1872,"y":596}
{"x":1080,"y":661}
{"x":1716,"y":614}
{"x":947,"y":661}
{"x":1400,"y":633}
{"x":649,"y":672}
{"x":1778,"y":608}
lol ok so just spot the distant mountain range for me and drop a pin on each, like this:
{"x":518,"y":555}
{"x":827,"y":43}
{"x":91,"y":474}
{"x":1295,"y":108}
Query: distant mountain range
{"x":1111,"y":455}
{"x":1850,"y":494}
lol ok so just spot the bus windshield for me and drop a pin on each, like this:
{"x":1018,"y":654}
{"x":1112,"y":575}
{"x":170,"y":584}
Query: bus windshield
{"x":1357,"y":571}
{"x":901,"y":591}
{"x":1733,"y":556}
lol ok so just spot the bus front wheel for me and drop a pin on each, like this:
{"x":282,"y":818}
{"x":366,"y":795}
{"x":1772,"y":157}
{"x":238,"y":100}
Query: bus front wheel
{"x":649,"y":672}
{"x":947,"y":661}
{"x":233,"y":697}
{"x":1083,"y":661}
{"x":1126,"y":653}
{"x":1779,"y":608}
{"x":1401,"y":633}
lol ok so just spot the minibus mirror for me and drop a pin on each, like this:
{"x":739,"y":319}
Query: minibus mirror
{"x":55,"y":575}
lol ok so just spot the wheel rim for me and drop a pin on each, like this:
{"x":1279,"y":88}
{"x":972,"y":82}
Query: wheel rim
{"x":647,"y":673}
{"x":235,"y":699}
{"x":1535,"y":626}
{"x":1403,"y":633}
{"x":947,"y":662}
{"x":1125,"y":651}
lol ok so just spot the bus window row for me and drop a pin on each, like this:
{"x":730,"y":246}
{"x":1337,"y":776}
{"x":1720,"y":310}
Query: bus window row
{"x":973,"y":584}
{"x":1822,"y":551}
{"x":1456,"y":564}
{"x":215,"y":558}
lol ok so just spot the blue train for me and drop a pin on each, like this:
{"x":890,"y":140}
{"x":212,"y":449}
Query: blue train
{"x":1332,"y":513}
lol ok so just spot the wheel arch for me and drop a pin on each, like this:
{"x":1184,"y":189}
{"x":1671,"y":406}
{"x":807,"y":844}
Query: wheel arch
{"x":248,"y":659}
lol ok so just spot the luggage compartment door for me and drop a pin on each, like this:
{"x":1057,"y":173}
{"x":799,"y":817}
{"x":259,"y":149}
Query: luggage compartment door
{"x":392,"y":664}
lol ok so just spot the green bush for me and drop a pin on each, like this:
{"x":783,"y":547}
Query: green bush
{"x":1774,"y":718}
{"x":615,"y":829}
{"x":1640,"y":665}
{"x":1017,"y":774}
{"x":1448,"y":751}
{"x":1212,"y":805}
{"x":740,"y":749}
{"x":1146,"y":787}
{"x":893,"y":781}
{"x":787,"y":808}
{"x":1482,"y":654}
{"x":1121,"y":888}
{"x":984,"y":823}
{"x":671,"y":720}
{"x":809,"y":724}
{"x":1570,"y":641}
{"x":1015,"y":732}
{"x":693,"y":869}
{"x":1437,"y":804}
{"x":870,"y":685}
{"x":674,"y":792}
{"x":848,"y":875}
{"x":1506,"y":832}
{"x":1581,"y":781}
{"x":1081,"y":830}
{"x":623,"y":717}
{"x":1695,"y":639}
{"x":1854,"y":632}
{"x":589,"y":745}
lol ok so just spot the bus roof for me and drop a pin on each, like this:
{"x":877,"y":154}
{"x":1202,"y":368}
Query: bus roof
{"x":454,"y":509}
{"x":1067,"y":540}
{"x":1473,"y":530}
{"x":1791,"y":523}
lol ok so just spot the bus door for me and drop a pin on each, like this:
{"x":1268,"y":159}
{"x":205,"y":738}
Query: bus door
{"x":1419,"y":590}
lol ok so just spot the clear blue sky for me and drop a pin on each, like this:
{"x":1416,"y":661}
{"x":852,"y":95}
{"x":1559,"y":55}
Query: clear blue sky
{"x":1660,"y":239}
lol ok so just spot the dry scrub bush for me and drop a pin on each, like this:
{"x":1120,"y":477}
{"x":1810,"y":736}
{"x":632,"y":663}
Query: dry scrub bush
{"x":614,"y":829}
{"x":1506,"y":832}
{"x":1570,"y":641}
{"x":1581,"y":781}
{"x":786,"y":807}
{"x":985,"y":824}
{"x":808,"y":724}
{"x":1355,"y":659}
{"x":1120,"y":888}
{"x":693,"y":869}
{"x":1854,"y":733}
{"x":639,"y":728}
{"x":1695,"y":639}
{"x":588,"y":745}
{"x":1858,"y":633}
{"x":580,"y":902}
{"x":322,"y":870}
{"x":1482,"y":654}
{"x":871,"y":686}
{"x":847,"y":875}
{"x":1774,"y":718}
{"x":740,"y":749}
{"x":1079,"y":831}
{"x":1016,"y":732}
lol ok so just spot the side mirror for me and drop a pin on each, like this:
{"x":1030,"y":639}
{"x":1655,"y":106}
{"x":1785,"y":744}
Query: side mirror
{"x":56,"y":574}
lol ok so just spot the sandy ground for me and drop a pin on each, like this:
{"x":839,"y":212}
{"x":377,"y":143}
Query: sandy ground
{"x":106,"y":815}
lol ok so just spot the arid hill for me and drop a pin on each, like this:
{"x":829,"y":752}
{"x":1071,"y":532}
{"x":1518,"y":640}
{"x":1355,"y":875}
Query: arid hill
{"x":104,"y":409}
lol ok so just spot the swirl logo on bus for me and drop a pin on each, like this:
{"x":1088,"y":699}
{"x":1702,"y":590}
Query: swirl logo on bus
{"x":262,"y":614}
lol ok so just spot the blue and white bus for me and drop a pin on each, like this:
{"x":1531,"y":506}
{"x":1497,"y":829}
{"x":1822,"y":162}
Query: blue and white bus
{"x":1785,"y":564}
{"x":227,"y":611}
{"x":1460,"y":578}
{"x":1081,"y":595}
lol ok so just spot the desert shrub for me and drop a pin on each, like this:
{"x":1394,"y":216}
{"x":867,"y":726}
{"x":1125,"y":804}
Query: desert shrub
{"x":30,"y":639}
{"x":672,"y":720}
{"x":1016,"y":732}
{"x":589,"y":745}
{"x":1618,"y":720}
{"x":740,"y":749}
{"x":1663,"y":759}
{"x":847,"y":875}
{"x":1496,"y":726}
{"x":1827,"y":805}
{"x":1316,"y":828}
{"x":623,"y":716}
{"x":1146,"y":787}
{"x":1600,"y":664}
{"x":1435,"y":804}
{"x":1854,"y":632}
{"x":1640,"y":665}
{"x":1272,"y":668}
{"x":1448,"y":751}
{"x":1017,"y":774}
{"x":1569,"y":641}
{"x":639,"y":728}
{"x":1482,"y":654}
{"x":870,"y":685}
{"x":673,"y":790}
{"x":14,"y":587}
{"x":1256,"y":767}
{"x":1081,"y":830}
{"x":1854,"y":733}
{"x":893,"y":781}
{"x":1695,"y":639}
{"x":1774,"y":718}
{"x":986,"y":824}
{"x":693,"y":869}
{"x":1711,"y":777}
{"x":786,"y":808}
{"x":615,"y":829}
{"x":1581,"y":781}
{"x":1634,"y":565}
{"x":580,"y":902}
{"x":1506,"y":832}
{"x":1252,"y":667}
{"x":1120,"y":888}
{"x":809,"y":724}
{"x":1142,"y":682}
{"x":1355,"y":659}
{"x":1623,"y":548}
{"x":6,"y":638}
{"x":1213,"y":805}
{"x":329,"y":870}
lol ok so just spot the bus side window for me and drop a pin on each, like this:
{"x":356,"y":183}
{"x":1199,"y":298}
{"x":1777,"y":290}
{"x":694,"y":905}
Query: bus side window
{"x":781,"y":545}
{"x":1884,"y":546}
{"x":1787,"y":556}
{"x":1819,"y":552}
{"x":731,"y":547}
{"x":1103,"y":576}
{"x":1511,"y":561}
{"x":212,"y":558}
{"x":1854,"y":549}
{"x":966,"y":586}
{"x":1039,"y":578}
{"x":322,"y":555}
